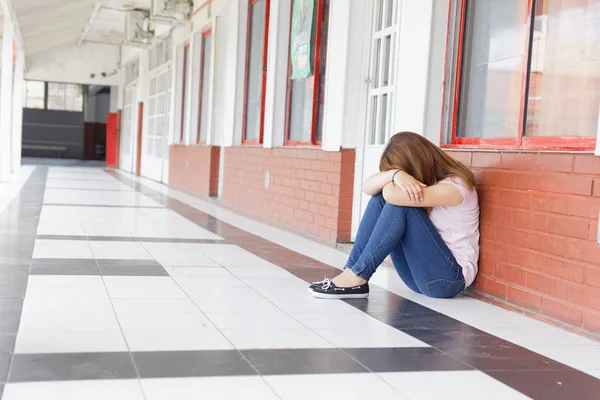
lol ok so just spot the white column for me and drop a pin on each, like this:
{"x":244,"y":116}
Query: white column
{"x":412,"y":77}
{"x":17,"y":117}
{"x":277,"y":69}
{"x":344,"y":80}
{"x":6,"y":99}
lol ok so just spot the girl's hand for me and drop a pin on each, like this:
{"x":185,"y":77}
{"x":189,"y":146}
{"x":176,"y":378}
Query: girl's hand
{"x":412,"y":188}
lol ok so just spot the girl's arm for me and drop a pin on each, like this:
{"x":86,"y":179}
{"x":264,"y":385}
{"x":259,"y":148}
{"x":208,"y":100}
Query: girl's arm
{"x":433,"y":196}
{"x":375,"y":183}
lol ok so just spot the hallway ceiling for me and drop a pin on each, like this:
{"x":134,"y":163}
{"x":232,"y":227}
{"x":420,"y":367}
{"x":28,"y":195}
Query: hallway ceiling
{"x":51,"y":25}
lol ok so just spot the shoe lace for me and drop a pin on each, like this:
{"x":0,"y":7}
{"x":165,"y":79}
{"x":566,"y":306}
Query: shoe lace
{"x":326,"y":284}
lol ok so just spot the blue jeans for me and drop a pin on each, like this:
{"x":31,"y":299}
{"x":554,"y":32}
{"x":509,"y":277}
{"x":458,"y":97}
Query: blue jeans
{"x":420,"y":256}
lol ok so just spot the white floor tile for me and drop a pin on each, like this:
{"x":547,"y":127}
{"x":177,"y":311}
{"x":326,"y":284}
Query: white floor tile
{"x":194,"y":272}
{"x":103,"y":229}
{"x":119,"y":251}
{"x":251,"y":271}
{"x":579,"y":357}
{"x":276,"y":320}
{"x":173,"y":340}
{"x":369,"y":337}
{"x":84,"y":341}
{"x":62,"y":249}
{"x":230,"y":255}
{"x":233,"y":305}
{"x":67,"y":306}
{"x":222,"y":388}
{"x":68,"y":322}
{"x":130,"y":287}
{"x":543,"y":336}
{"x":328,"y":386}
{"x":198,"y":284}
{"x":41,"y":287}
{"x":339,"y":321}
{"x":154,"y":306}
{"x":451,"y":385}
{"x":75,"y":390}
{"x":149,"y":322}
{"x":595,"y":373}
{"x":276,"y":339}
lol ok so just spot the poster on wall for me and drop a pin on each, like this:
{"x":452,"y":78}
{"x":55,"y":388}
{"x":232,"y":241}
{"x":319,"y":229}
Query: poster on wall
{"x":302,"y":25}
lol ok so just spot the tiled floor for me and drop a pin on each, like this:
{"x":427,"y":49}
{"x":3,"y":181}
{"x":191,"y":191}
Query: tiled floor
{"x":110,"y":289}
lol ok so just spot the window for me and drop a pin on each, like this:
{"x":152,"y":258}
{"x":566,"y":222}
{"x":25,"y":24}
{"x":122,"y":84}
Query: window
{"x":184,"y":119}
{"x":305,"y":96}
{"x":65,"y":97}
{"x":158,"y":113}
{"x":526,"y":74}
{"x":35,"y":95}
{"x":256,"y":70}
{"x":205,"y":74}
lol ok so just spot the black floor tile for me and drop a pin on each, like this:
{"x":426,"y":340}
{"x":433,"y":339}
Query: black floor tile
{"x":551,"y":385}
{"x":79,"y":366}
{"x":127,"y":270}
{"x":14,"y":280}
{"x":4,"y":366}
{"x":504,"y":359}
{"x":9,"y":323}
{"x":66,"y":269}
{"x":7,"y":342}
{"x":64,"y":261}
{"x":302,"y":361}
{"x":406,"y":359}
{"x":170,"y":364}
{"x":8,"y":292}
{"x":466,"y":336}
{"x":8,"y":306}
{"x":14,"y":269}
{"x":129,"y":263}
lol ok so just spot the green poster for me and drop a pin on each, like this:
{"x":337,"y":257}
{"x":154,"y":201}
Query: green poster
{"x":302,"y":26}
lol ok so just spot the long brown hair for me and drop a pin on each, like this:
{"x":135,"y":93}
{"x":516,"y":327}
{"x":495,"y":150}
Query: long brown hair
{"x":421,"y":159}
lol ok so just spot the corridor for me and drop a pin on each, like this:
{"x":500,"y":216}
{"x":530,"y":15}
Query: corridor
{"x":113,"y":287}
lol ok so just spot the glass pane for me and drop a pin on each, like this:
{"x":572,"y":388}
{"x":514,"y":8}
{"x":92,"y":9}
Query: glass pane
{"x":301,"y":109}
{"x":564,"y":88}
{"x":373,"y":120}
{"x":205,"y":101}
{"x":376,"y":62}
{"x":387,"y":59}
{"x":34,"y":94}
{"x":302,"y":95}
{"x":492,"y":69}
{"x":255,"y":70}
{"x":378,"y":15}
{"x":321,"y":89}
{"x":389,"y":13}
{"x":74,"y":98}
{"x":56,"y":96}
{"x":383,"y":117}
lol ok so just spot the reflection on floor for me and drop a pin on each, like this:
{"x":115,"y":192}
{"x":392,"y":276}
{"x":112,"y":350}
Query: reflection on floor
{"x":110,"y":289}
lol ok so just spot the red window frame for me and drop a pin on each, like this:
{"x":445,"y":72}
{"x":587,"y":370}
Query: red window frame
{"x":264,"y":73}
{"x":205,"y":33}
{"x":520,"y":141}
{"x":186,"y":49}
{"x":316,"y":83}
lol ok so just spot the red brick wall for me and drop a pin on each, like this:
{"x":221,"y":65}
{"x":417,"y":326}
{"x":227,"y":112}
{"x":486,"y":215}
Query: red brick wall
{"x":194,"y":169}
{"x":310,"y":190}
{"x":539,"y":224}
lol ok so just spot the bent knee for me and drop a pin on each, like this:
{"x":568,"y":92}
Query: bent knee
{"x":443,"y":288}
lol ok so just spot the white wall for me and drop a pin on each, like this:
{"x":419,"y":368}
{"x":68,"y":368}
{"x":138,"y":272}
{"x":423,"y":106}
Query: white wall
{"x":75,"y":65}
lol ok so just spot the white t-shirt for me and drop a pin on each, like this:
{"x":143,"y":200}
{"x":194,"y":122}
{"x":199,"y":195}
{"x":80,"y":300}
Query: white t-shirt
{"x":459,"y":228}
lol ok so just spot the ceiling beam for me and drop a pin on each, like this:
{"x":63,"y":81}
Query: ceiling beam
{"x":89,"y":23}
{"x":7,"y":8}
